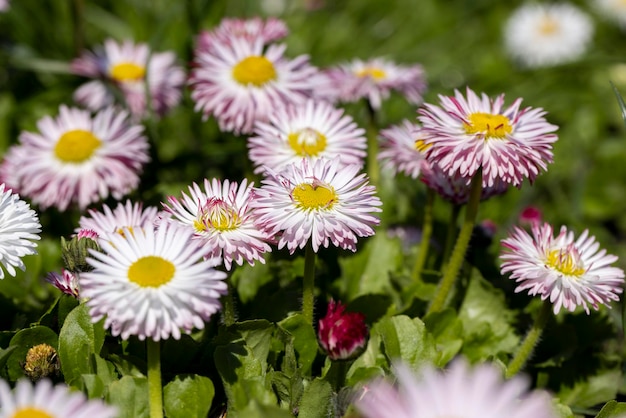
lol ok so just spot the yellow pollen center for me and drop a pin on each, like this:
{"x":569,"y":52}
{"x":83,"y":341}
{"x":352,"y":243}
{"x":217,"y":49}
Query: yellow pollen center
{"x":375,"y":73}
{"x":30,"y":412}
{"x":565,"y":262}
{"x":151,"y":271}
{"x":255,"y":70}
{"x":127,"y":71}
{"x":76,"y":146}
{"x":307,"y":142}
{"x":490,"y":125}
{"x":421,"y":146}
{"x":218,"y":215}
{"x":310,"y":196}
{"x":548,"y":26}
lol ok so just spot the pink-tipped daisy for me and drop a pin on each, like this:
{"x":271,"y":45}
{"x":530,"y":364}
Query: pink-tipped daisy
{"x":320,"y":202}
{"x":77,"y":159}
{"x":19,"y":228}
{"x":129,"y":215}
{"x":43,"y":400}
{"x":240,"y":82}
{"x":372,"y":79}
{"x":464,"y":135}
{"x":401,"y":149}
{"x":136,"y":71}
{"x":222,"y":221}
{"x":66,"y":282}
{"x":461,"y":391}
{"x":569,"y":272}
{"x":152,"y":283}
{"x":268,"y":30}
{"x":312,"y":130}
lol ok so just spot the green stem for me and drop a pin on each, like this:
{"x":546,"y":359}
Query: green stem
{"x":337,"y":373}
{"x":373,"y":169}
{"x":530,"y":341}
{"x":427,"y":232}
{"x":451,"y":232}
{"x":451,"y":270}
{"x":228,"y":312}
{"x":308,"y":284}
{"x":154,"y":379}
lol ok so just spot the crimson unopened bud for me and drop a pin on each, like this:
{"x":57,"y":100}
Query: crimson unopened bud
{"x":530,"y":216}
{"x":66,"y":282}
{"x":342,"y":335}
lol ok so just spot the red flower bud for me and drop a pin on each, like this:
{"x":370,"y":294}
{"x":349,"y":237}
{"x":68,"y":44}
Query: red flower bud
{"x":342,"y":335}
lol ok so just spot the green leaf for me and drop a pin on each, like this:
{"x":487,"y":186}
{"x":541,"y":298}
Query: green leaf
{"x":188,"y":396}
{"x":612,"y":409}
{"x":257,"y":410}
{"x":304,"y":340}
{"x":80,"y":341}
{"x":592,"y":391}
{"x":406,"y":339}
{"x":447,"y":329}
{"x":317,"y":400}
{"x":620,"y":101}
{"x":130,"y":395}
{"x":23,"y":341}
{"x":487,"y":322}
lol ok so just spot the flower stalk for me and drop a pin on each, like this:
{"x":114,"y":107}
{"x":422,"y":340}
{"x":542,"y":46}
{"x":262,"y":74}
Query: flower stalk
{"x":308,"y":284}
{"x":155,"y":389}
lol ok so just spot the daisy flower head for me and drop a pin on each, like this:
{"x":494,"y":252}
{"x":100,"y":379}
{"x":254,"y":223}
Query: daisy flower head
{"x":42,"y":399}
{"x":125,"y":215}
{"x":569,"y":272}
{"x":77,"y":159}
{"x":135,"y":71}
{"x":311,"y":130}
{"x":545,"y":35}
{"x":152,"y":283}
{"x":372,"y":79}
{"x":268,"y":30}
{"x":19,"y":228}
{"x":462,"y":391}
{"x":401,"y":149}
{"x":322,"y":202}
{"x":222,"y":221}
{"x":66,"y":282}
{"x":467,"y":134}
{"x":242,"y":81}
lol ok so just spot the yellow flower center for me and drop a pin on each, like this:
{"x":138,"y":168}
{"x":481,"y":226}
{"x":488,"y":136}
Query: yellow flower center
{"x":421,"y":146}
{"x":122,"y":233}
{"x":373,"y":72}
{"x":566,"y":261}
{"x":30,"y":412}
{"x":76,"y":146}
{"x":307,"y":142}
{"x":151,"y":271}
{"x":218,"y":215}
{"x":255,"y":70}
{"x":127,"y":71}
{"x":314,"y":196}
{"x":548,"y":26}
{"x":491,"y":126}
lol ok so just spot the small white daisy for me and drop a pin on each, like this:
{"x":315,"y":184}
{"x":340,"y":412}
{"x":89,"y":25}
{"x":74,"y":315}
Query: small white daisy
{"x":152,"y":284}
{"x":321,"y":202}
{"x":77,"y":158}
{"x":128,"y":215}
{"x":401,"y":149}
{"x":19,"y":227}
{"x":43,"y":400}
{"x":544,"y":35}
{"x":312,"y":130}
{"x":222,"y":221}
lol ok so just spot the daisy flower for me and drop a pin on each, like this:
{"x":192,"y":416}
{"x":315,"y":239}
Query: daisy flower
{"x":312,"y":130}
{"x":151,"y":283}
{"x":240,"y":81}
{"x":268,"y":30}
{"x":569,"y":272}
{"x":42,"y":399}
{"x":19,"y":227}
{"x":460,"y":391}
{"x":221,"y":220}
{"x":372,"y":79}
{"x":128,"y":215}
{"x":463,"y":135}
{"x":613,"y":10}
{"x":135,"y":70}
{"x":66,"y":282}
{"x":401,"y":149}
{"x":321,"y":202}
{"x":544,"y":35}
{"x":75,"y":158}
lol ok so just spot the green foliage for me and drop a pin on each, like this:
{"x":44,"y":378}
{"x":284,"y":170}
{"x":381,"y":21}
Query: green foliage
{"x":188,"y":396}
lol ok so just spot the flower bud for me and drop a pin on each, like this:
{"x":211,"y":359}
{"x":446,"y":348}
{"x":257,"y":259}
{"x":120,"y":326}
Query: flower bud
{"x":66,"y":282}
{"x":342,"y":335}
{"x":41,"y":361}
{"x":76,"y":250}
